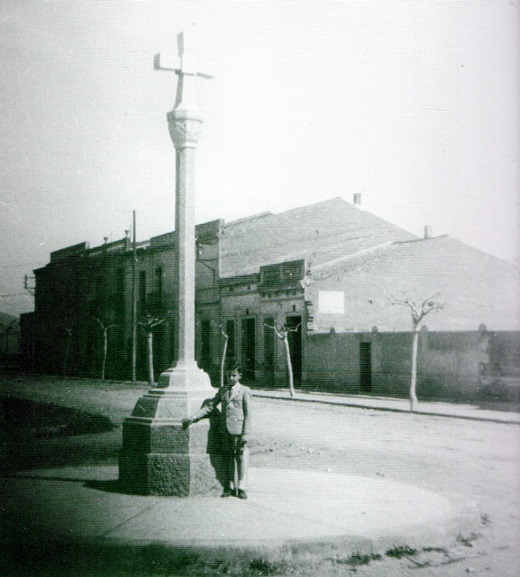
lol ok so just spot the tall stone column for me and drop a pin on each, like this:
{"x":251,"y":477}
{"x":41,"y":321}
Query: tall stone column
{"x":185,"y":127}
{"x":159,"y":457}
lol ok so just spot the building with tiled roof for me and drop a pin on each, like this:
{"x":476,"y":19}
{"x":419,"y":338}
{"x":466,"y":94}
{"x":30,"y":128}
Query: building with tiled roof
{"x":328,"y":272}
{"x":476,"y":288}
{"x":318,"y":233}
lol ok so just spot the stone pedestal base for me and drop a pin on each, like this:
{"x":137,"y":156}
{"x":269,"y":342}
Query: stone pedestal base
{"x":159,"y":457}
{"x":167,"y":474}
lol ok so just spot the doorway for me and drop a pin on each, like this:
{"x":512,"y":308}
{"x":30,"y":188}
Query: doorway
{"x":365,"y":367}
{"x":294,"y":336}
{"x":269,"y":349}
{"x":248,"y":349}
{"x":205,"y":345}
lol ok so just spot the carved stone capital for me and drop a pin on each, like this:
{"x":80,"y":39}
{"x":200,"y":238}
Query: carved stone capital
{"x":184,"y":130}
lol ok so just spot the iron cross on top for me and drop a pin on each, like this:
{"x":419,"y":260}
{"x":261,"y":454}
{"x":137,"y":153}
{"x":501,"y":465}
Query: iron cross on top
{"x":182,"y":66}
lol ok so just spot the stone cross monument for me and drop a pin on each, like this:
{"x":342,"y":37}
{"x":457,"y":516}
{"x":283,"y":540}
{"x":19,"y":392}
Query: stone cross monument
{"x":159,"y":457}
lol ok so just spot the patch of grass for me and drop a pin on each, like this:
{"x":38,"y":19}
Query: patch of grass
{"x":260,"y":565}
{"x":263,"y":567}
{"x":157,"y":561}
{"x":359,"y":559}
{"x":400,"y":552}
{"x":442,"y":550}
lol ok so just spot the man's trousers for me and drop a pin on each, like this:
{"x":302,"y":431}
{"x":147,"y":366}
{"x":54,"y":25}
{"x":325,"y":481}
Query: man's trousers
{"x":235,"y":456}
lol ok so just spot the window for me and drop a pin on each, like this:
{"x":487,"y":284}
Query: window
{"x":269,"y":345}
{"x":287,"y":273}
{"x":231,"y":345}
{"x":248,"y":349}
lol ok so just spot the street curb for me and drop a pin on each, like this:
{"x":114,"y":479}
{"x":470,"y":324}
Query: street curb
{"x":387,"y":409}
{"x":119,"y":546}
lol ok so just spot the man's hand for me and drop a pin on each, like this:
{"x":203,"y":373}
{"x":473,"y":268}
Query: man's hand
{"x":187,"y":422}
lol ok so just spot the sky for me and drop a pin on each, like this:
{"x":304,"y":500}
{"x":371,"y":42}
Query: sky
{"x":412,"y":104}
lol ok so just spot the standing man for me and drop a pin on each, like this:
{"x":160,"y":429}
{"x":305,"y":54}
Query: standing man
{"x":235,"y":427}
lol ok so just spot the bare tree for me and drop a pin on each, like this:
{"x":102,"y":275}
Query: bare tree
{"x":224,"y":351}
{"x":105,"y":329}
{"x":148,"y":322}
{"x":282,"y":333}
{"x":418,"y":311}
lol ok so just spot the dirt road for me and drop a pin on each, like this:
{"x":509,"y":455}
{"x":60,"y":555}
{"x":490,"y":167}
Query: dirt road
{"x":477,"y":460}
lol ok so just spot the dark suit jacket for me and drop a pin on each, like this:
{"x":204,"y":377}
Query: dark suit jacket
{"x":235,"y":415}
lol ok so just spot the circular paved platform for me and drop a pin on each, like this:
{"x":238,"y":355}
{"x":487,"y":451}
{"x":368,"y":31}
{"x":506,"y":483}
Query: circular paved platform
{"x":288,"y":513}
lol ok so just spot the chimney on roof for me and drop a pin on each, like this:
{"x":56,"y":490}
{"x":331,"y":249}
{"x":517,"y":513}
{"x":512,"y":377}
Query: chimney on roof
{"x":357,"y":199}
{"x":428,"y":231}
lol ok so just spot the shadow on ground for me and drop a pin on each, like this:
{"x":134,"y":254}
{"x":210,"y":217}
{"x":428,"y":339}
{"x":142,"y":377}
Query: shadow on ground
{"x":35,"y":435}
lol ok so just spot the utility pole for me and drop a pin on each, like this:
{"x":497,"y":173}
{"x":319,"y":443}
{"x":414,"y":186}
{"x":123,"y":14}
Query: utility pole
{"x":134,"y":303}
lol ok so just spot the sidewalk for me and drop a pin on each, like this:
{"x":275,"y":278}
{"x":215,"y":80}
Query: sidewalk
{"x":77,"y":515}
{"x":435,"y":409}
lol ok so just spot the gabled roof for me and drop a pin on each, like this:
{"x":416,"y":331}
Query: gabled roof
{"x":319,"y":233}
{"x":477,"y":288}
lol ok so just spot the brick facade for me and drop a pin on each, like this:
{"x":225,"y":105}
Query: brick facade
{"x":327,"y":271}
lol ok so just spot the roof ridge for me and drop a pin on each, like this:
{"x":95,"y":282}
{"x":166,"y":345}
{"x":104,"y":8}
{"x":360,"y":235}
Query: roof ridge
{"x":257,"y":216}
{"x":313,"y":204}
{"x":359,"y":253}
{"x":422,"y":239}
{"x":462,"y":243}
{"x":284,"y":213}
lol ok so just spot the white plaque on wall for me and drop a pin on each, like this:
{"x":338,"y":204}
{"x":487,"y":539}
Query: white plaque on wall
{"x":331,"y":302}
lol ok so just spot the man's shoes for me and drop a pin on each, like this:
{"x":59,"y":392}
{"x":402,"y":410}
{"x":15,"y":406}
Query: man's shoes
{"x":228,"y":493}
{"x":242,"y":494}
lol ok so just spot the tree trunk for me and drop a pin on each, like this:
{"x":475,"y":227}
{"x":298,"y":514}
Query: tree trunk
{"x":413,"y":382}
{"x":289,"y":365}
{"x":151,"y":377}
{"x":134,"y":302}
{"x":223,"y":361}
{"x":105,"y":348}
